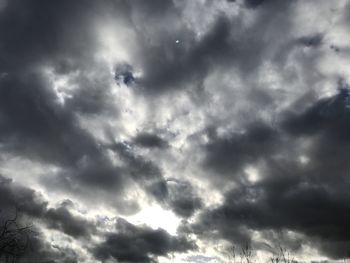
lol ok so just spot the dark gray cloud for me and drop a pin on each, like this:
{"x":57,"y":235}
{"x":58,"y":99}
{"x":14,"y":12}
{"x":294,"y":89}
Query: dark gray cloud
{"x":32,"y":209}
{"x":310,"y":198}
{"x":124,"y":74}
{"x":85,"y":86}
{"x":63,"y":220}
{"x":34,"y":125}
{"x":178,"y":195}
{"x":228,"y":155}
{"x":189,"y":62}
{"x":137,"y":166}
{"x":31,"y":203}
{"x":42,"y":252}
{"x":139,"y":244}
{"x":150,"y":140}
{"x":328,"y":116}
{"x":26,"y":200}
{"x":312,"y":41}
{"x":36,"y":32}
{"x":316,"y":210}
{"x":254,"y":3}
{"x":226,"y":44}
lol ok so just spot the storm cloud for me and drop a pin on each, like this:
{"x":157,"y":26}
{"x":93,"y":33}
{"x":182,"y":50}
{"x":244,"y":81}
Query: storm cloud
{"x":151,"y":131}
{"x":308,"y":196}
{"x":137,"y":244}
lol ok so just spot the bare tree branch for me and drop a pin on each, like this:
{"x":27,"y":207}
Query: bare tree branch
{"x":14,"y":239}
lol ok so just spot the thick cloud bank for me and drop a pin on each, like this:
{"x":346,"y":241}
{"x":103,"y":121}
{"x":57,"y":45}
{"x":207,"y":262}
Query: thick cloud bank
{"x":172,"y":130}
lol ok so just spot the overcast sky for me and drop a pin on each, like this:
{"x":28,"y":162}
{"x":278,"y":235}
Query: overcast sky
{"x":169,"y":131}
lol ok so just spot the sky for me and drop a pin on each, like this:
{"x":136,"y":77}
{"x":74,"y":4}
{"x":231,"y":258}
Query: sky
{"x":172,"y":130}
